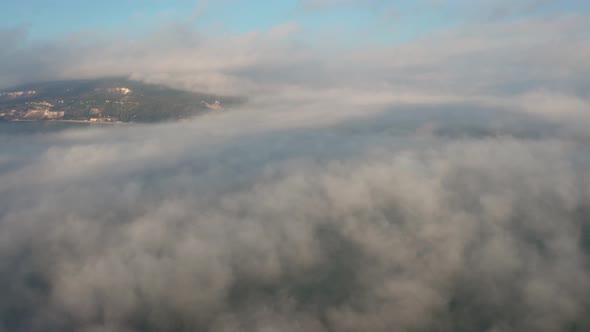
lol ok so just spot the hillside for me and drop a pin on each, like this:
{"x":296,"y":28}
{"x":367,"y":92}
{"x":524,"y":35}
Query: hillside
{"x":105,"y":100}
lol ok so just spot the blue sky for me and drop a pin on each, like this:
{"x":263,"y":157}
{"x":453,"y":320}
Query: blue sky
{"x":379,"y":20}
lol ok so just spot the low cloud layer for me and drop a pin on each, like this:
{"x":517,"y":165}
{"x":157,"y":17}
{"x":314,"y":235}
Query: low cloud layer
{"x":410,"y":219}
{"x":439,"y":185}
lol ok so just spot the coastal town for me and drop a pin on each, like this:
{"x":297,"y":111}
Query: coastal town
{"x":103,"y":101}
{"x":42,"y":111}
{"x":56,"y":110}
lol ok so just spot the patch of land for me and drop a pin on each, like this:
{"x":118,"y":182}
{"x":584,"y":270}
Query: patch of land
{"x":112,"y":100}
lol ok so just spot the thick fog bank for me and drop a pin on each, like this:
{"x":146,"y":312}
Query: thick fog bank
{"x":408,"y":218}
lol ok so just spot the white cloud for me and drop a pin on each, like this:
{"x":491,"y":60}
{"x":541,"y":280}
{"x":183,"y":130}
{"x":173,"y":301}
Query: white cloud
{"x":344,"y":226}
{"x":495,"y":59}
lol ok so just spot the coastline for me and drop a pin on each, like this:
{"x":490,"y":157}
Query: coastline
{"x":69,"y":121}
